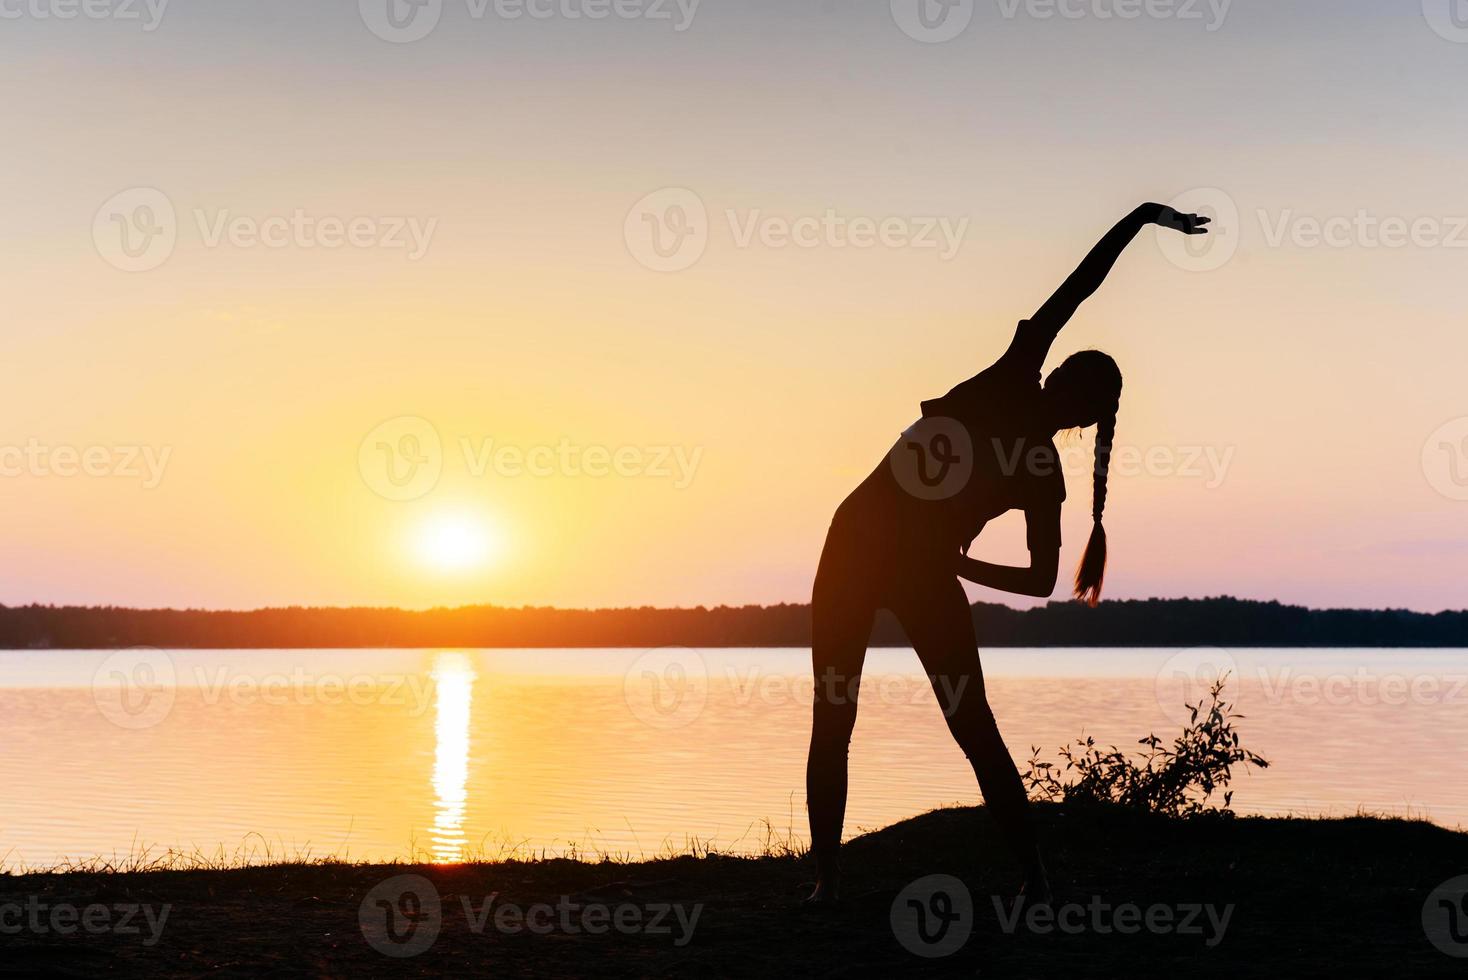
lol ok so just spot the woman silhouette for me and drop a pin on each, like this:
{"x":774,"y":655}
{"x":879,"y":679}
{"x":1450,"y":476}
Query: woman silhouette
{"x":900,"y":542}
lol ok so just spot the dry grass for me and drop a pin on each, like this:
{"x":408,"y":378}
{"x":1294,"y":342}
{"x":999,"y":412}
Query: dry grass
{"x":762,"y":839}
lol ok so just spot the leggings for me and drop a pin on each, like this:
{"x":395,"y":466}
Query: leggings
{"x":851,"y":584}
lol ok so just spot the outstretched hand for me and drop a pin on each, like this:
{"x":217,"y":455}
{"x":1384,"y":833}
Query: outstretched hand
{"x":1188,"y":224}
{"x":1092,"y":271}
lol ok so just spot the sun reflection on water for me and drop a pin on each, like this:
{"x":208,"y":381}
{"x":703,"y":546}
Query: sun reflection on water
{"x":453,"y":677}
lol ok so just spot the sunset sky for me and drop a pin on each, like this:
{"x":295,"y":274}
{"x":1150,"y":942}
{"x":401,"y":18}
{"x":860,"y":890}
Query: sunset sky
{"x":456,"y":235}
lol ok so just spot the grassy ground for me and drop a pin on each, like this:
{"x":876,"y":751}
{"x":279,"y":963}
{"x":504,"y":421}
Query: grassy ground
{"x":1326,"y":898}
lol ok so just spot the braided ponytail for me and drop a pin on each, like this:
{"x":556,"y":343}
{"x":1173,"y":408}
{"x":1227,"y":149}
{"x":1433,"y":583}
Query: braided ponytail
{"x":1092,"y":570}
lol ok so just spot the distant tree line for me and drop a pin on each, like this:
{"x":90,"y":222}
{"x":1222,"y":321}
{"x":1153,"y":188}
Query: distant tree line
{"x":1151,"y":623}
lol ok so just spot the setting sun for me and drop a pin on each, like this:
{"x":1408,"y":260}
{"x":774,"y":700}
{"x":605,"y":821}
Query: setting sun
{"x":458,"y":541}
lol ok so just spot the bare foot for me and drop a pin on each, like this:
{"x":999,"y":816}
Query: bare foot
{"x":1036,"y":892}
{"x":827,"y":891}
{"x":1036,"y":889}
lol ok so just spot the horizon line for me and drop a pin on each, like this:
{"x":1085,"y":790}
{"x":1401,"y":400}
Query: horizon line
{"x":1048,"y":604}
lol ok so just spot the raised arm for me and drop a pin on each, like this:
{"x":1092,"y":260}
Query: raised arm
{"x":1093,"y":270}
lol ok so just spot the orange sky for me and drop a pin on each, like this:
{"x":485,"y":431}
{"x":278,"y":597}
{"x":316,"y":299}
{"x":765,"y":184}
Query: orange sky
{"x":452,"y":230}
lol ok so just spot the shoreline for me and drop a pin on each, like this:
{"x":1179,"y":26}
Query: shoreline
{"x":1150,"y":623}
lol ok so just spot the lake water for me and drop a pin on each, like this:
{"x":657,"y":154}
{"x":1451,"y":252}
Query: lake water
{"x":450,"y":754}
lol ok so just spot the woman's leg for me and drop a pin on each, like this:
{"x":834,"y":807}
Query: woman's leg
{"x":938,"y":623}
{"x":842,"y":610}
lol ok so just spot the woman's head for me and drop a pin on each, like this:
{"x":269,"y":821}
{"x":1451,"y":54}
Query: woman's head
{"x":1086,"y":390}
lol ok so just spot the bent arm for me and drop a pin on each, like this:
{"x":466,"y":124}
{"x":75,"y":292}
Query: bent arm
{"x":1042,"y":535}
{"x":1037,"y":579}
{"x":1094,"y":268}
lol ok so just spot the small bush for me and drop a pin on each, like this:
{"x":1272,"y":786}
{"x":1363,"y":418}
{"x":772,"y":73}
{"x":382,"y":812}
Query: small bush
{"x":1177,"y":781}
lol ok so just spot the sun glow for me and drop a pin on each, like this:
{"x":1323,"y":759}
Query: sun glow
{"x":456,"y":542}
